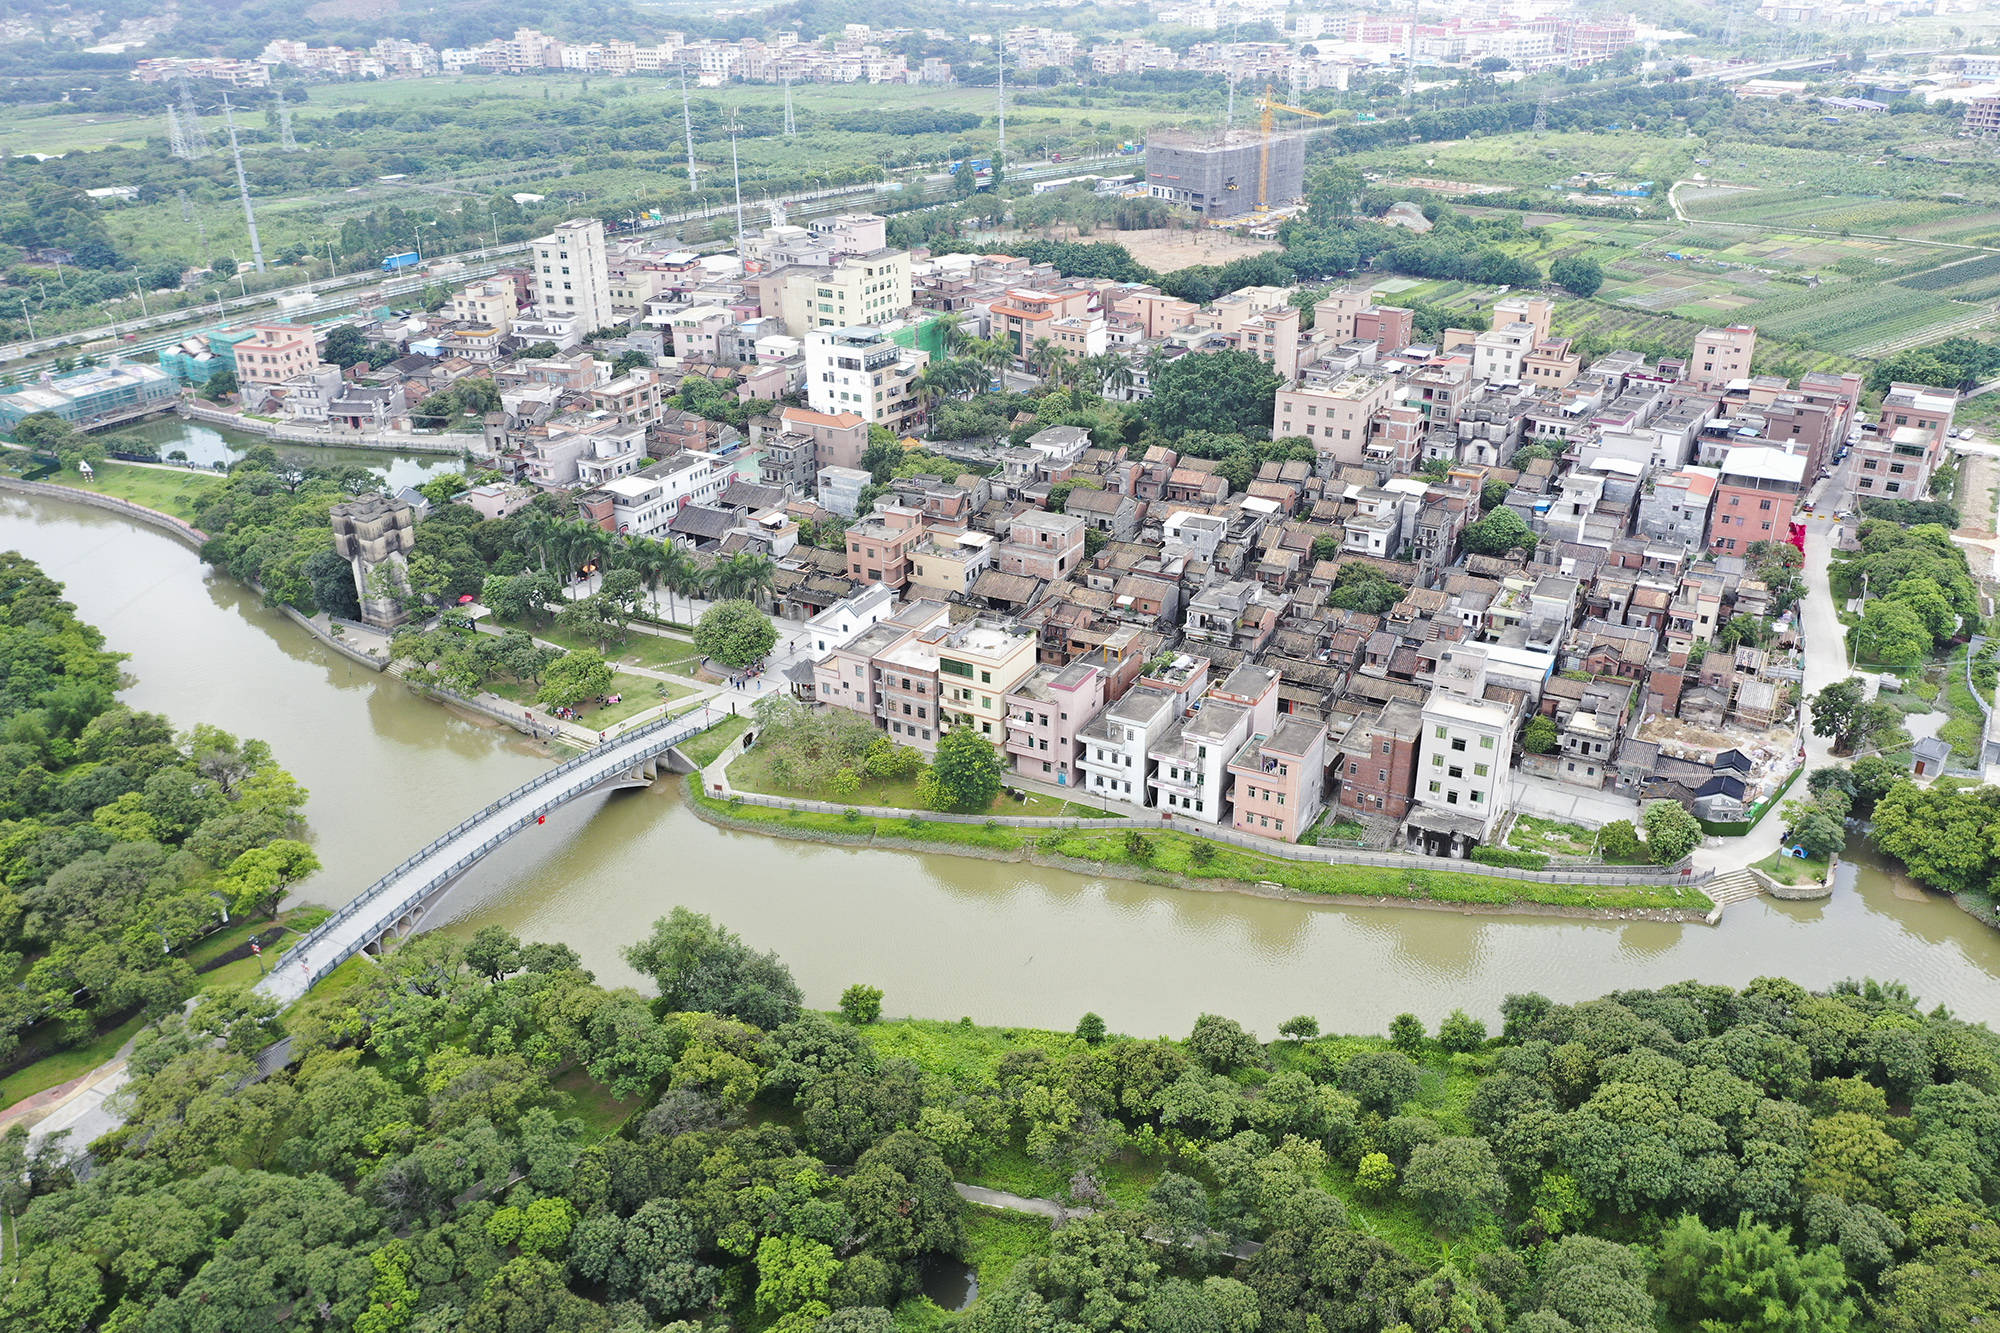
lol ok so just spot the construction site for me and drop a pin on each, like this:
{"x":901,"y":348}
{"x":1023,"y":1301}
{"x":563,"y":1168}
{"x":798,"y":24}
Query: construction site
{"x":1232,"y":172}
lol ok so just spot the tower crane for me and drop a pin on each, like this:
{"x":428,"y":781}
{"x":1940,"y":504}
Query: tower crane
{"x":1268,"y":104}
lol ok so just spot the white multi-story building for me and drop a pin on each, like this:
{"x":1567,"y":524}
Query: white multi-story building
{"x":1117,"y":746}
{"x":863,"y":372}
{"x":572,"y":277}
{"x":1465,"y":757}
{"x":645,"y":502}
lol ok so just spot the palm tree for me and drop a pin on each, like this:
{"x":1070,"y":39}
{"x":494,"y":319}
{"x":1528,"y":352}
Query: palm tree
{"x":648,"y":559}
{"x":536,"y":533}
{"x":741,"y":575}
{"x":951,"y":332}
{"x":1114,"y":374}
{"x":1042,"y":356}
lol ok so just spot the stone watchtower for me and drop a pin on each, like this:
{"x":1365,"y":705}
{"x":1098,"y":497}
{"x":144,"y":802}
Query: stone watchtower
{"x":371,"y":534}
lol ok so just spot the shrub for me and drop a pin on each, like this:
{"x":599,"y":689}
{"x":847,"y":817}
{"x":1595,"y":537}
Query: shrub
{"x":1138,"y":846}
{"x":861,"y":1004}
{"x":1302,"y":1028}
{"x":1406,"y":1034}
{"x":1508,"y":856}
{"x":1375,"y":1176}
{"x":1619,"y":841}
{"x":1461,"y":1032}
{"x":1090,"y":1028}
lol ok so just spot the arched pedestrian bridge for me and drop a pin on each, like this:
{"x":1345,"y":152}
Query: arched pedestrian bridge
{"x":396,"y":904}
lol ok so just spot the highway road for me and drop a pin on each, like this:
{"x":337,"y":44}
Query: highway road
{"x":328,"y":295}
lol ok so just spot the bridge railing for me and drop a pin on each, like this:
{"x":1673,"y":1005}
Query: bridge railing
{"x":654,"y":738}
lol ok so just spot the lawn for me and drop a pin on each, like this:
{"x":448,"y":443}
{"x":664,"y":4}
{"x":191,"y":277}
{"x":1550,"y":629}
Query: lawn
{"x":997,"y":1242}
{"x":65,"y":1065}
{"x":960,"y":1053}
{"x":752,"y":772}
{"x":1791,"y":870}
{"x":706,"y":748}
{"x":580,"y":1095}
{"x":169,"y":491}
{"x":654,"y":651}
{"x":1534,"y":834}
{"x":635,"y":694}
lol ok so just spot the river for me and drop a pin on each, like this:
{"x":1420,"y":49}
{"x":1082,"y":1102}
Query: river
{"x":943,"y":936}
{"x":207,"y":445}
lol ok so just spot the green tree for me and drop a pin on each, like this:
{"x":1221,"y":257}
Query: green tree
{"x":861,"y":1004}
{"x":1580,"y":275}
{"x":1498,"y":533}
{"x":1223,"y":1045}
{"x":1540,"y":735}
{"x":257,"y":880}
{"x":1890,"y":634}
{"x":574,"y":679}
{"x":735,"y":634}
{"x":1750,"y":1278}
{"x":1213,"y":391}
{"x":1456,"y":1181}
{"x":1671,"y":832}
{"x":965,"y":774}
{"x":1300,"y":1027}
{"x":702,"y":967}
{"x":1090,"y":1029}
{"x":1380,"y":1080}
{"x":1815,"y":827}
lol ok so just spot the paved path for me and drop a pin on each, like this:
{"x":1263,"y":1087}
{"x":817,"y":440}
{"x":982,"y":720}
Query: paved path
{"x":1825,"y":662}
{"x":406,"y":888}
{"x":1059,"y":1212}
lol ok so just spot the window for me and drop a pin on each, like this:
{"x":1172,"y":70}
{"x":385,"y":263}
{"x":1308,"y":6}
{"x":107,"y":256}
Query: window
{"x":1485,"y":742}
{"x":1436,"y":787}
{"x":1458,"y":743}
{"x":1479,"y":770}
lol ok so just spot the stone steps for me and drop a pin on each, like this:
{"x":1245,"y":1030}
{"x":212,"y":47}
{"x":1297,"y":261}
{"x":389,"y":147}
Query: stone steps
{"x":1735,"y":886}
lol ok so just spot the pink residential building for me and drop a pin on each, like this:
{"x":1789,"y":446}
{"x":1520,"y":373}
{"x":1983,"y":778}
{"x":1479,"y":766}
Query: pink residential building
{"x":1278,"y":780}
{"x":1045,"y":715}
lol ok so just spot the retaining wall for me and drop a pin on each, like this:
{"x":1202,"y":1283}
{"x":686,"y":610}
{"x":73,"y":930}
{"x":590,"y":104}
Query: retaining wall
{"x":280,"y":433}
{"x":1155,"y":821}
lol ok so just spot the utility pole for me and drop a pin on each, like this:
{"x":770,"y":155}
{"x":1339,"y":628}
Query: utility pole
{"x":243,"y":186}
{"x":687,"y":127}
{"x":30,"y":318}
{"x":1229,"y":111}
{"x":140,"y":291}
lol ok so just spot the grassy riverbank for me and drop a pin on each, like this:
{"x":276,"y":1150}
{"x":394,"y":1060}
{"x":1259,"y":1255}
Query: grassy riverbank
{"x":1177,"y":858}
{"x":753,"y":772}
{"x":171,"y":491}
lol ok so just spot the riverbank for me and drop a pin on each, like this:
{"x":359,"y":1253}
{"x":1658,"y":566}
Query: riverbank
{"x":279,"y":432}
{"x":1179,"y":860}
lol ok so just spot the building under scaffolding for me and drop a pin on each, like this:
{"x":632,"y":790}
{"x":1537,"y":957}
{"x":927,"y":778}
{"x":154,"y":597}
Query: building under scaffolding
{"x":1218,"y":174}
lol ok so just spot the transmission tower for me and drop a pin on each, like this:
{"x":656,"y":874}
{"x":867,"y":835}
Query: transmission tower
{"x":736,"y":171}
{"x":243,"y":186}
{"x":177,"y":143}
{"x":1734,"y":29}
{"x":191,"y":131}
{"x":1542,"y":111}
{"x":687,"y":126}
{"x":1410,"y":59}
{"x":791,"y":125}
{"x":286,"y":143}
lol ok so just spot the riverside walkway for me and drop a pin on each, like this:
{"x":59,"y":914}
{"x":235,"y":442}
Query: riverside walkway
{"x":396,"y":904}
